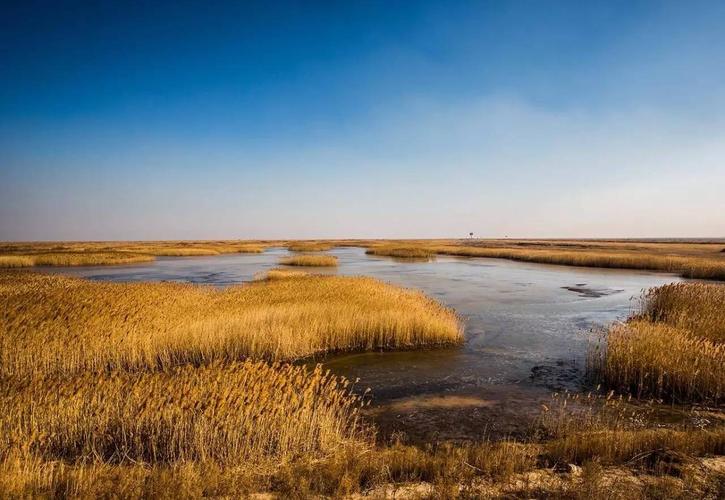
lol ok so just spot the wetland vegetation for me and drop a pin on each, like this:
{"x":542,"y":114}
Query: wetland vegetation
{"x":310,"y":261}
{"x":157,"y":386}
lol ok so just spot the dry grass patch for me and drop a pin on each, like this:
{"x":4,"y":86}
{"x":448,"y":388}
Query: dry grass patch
{"x":654,"y":359}
{"x":16,"y":261}
{"x":698,"y":308}
{"x":229,"y":414}
{"x":311,"y":246}
{"x":243,"y":249}
{"x":190,"y":250}
{"x":491,"y":470}
{"x":616,"y":447}
{"x":80,"y":258}
{"x":279,"y":273}
{"x":348,"y":470}
{"x":695,"y":259}
{"x":688,"y":266}
{"x":402,"y":252}
{"x":111,"y":253}
{"x":178,"y":252}
{"x":53,"y":323}
{"x":310,"y":261}
{"x":673,"y":349}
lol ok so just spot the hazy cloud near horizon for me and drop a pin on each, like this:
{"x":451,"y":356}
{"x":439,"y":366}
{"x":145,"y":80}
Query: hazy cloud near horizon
{"x":620,"y":150}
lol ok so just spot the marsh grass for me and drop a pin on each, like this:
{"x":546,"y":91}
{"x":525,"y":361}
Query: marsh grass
{"x":16,"y":261}
{"x":310,"y":261}
{"x":672,"y":349}
{"x":698,"y":308}
{"x":107,"y":253}
{"x":703,"y":260}
{"x":137,"y":390}
{"x":135,"y":387}
{"x":654,"y":359}
{"x":688,"y":266}
{"x":60,"y":324}
{"x":177,"y":252}
{"x":489,"y":470}
{"x":229,"y":414}
{"x":309,"y":246}
{"x":616,"y":447}
{"x":279,"y":273}
{"x":73,"y":259}
{"x":616,"y":430}
{"x":192,"y":251}
{"x":402,"y":252}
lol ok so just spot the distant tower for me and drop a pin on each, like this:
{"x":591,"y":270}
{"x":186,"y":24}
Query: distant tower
{"x":471,"y":235}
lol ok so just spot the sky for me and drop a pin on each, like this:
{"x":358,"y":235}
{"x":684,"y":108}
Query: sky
{"x":124,"y":120}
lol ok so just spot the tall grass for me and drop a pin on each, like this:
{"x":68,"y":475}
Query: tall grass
{"x":107,"y":253}
{"x":134,"y":384}
{"x":54,"y":323}
{"x":16,"y":261}
{"x":402,"y":252}
{"x":309,"y":246}
{"x":489,"y":470}
{"x":230,"y":414}
{"x":72,"y":259}
{"x":171,"y":250}
{"x":688,"y":266}
{"x":622,"y":446}
{"x":673,"y":349}
{"x":698,"y":308}
{"x":310,"y":260}
{"x":278,"y":273}
{"x":178,"y":252}
{"x":649,"y":359}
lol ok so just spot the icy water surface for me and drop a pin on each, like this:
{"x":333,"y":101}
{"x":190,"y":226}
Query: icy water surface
{"x":526,"y":328}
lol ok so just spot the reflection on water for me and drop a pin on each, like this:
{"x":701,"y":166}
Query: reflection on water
{"x":526,"y":329}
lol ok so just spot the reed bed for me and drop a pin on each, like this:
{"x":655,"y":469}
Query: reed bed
{"x":57,"y":324}
{"x":178,"y":252}
{"x":610,"y":447}
{"x":309,"y":246}
{"x":310,"y":261}
{"x":111,"y":253}
{"x":191,"y":251}
{"x":687,"y":266}
{"x":350,"y":472}
{"x":279,"y":273}
{"x":672,"y":349}
{"x":229,"y":414}
{"x":16,"y":261}
{"x":242,"y":249}
{"x":402,"y":252}
{"x":698,"y":308}
{"x":73,"y":259}
{"x":695,"y":259}
{"x":649,"y":359}
{"x":488,"y":470}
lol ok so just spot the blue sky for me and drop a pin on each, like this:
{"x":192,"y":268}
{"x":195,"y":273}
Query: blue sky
{"x":153,"y":120}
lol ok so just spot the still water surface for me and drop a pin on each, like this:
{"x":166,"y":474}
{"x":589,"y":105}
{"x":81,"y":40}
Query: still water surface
{"x":527,"y":330}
